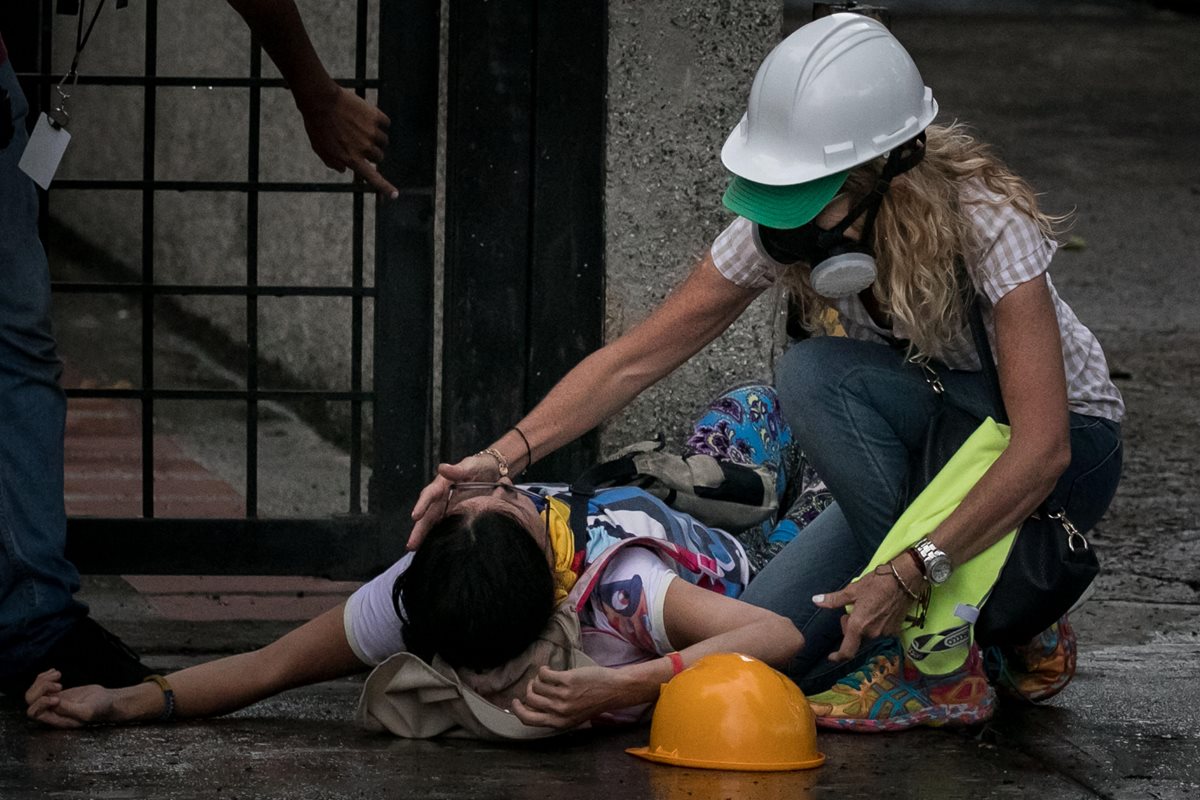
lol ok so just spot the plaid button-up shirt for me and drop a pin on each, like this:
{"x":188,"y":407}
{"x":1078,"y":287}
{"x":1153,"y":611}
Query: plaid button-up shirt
{"x":1012,"y":251}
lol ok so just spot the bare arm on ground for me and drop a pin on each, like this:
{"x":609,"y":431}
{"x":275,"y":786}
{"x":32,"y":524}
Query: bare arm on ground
{"x":316,"y":651}
{"x":699,"y":622}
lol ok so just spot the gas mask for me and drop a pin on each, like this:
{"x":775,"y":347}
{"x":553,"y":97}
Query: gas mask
{"x":842,"y":266}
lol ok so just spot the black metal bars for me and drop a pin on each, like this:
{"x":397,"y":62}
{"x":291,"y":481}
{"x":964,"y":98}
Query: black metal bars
{"x":524,"y":213}
{"x":409,"y":32}
{"x":344,"y":545}
{"x":213,"y":186}
{"x":524,"y":270}
{"x":149,"y":135}
{"x":208,"y":82}
{"x":356,"y":282}
{"x":215,"y":289}
{"x":340,"y":547}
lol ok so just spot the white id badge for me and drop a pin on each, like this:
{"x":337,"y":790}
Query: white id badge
{"x":44,"y":151}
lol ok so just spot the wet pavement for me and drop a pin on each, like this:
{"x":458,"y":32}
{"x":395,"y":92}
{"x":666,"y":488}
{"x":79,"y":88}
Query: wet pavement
{"x":1100,"y":110}
{"x":1112,"y":734}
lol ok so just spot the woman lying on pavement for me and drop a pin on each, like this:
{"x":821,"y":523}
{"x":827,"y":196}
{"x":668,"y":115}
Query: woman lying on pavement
{"x":658,"y":591}
{"x":849,"y":196}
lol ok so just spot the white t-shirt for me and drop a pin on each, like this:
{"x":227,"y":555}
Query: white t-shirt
{"x":627,"y":604}
{"x":1013,"y":251}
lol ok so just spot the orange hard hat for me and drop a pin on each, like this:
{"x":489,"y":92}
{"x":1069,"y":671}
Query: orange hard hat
{"x":729,"y":711}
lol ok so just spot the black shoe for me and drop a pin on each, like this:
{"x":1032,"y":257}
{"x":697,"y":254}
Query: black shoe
{"x":86,"y":654}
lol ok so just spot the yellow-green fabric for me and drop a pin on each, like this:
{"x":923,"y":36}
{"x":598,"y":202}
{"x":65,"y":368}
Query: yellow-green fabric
{"x":942,"y":645}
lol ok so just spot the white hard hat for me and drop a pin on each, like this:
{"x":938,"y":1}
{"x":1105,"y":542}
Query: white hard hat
{"x":837,"y":93}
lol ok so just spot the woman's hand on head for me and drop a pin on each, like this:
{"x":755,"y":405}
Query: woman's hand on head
{"x":52,"y":705}
{"x":567,"y":699}
{"x":880,"y":606}
{"x":432,"y":501}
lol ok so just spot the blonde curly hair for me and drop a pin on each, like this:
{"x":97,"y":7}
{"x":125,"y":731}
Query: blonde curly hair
{"x":921,"y":229}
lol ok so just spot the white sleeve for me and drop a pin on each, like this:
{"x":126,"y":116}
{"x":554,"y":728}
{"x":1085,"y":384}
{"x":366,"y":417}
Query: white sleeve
{"x":737,"y":256}
{"x":629,"y":598}
{"x":372,"y":627}
{"x":1012,"y":248}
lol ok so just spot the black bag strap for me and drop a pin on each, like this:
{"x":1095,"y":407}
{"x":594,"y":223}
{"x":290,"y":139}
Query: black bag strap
{"x":983,"y":348}
{"x":579,"y":513}
{"x":987,"y":363}
{"x":618,"y":472}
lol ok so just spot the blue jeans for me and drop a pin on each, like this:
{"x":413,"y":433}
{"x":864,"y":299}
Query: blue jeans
{"x":857,"y":410}
{"x":36,"y":580}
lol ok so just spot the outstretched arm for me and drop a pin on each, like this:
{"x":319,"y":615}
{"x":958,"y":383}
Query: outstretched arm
{"x":694,"y":314}
{"x":699,"y":622}
{"x":316,"y":651}
{"x":345,"y":130}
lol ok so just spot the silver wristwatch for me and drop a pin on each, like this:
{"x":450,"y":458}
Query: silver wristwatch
{"x":937,"y":563}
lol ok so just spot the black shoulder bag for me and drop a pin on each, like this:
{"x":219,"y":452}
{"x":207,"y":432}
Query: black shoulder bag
{"x":1051,"y":563}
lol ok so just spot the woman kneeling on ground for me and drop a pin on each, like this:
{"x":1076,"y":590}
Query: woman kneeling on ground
{"x":847,"y":194}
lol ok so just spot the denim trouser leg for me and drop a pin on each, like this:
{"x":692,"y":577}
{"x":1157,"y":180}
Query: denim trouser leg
{"x":36,"y":580}
{"x":857,"y":411}
{"x":822,"y":558}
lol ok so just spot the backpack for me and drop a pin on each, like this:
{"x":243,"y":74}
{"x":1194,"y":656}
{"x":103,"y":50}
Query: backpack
{"x":720,"y":494}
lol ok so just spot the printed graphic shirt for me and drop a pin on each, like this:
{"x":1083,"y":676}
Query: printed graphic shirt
{"x":707,"y":557}
{"x":1012,"y":251}
{"x":622,"y":617}
{"x":626,"y":609}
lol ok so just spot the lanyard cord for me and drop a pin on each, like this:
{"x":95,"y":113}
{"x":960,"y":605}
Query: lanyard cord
{"x":60,"y":117}
{"x":81,"y":40}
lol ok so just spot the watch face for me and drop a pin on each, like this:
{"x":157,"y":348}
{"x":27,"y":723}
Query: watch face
{"x":939,"y":570}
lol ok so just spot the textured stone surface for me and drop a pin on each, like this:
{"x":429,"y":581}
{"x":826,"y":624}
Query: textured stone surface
{"x":679,"y":76}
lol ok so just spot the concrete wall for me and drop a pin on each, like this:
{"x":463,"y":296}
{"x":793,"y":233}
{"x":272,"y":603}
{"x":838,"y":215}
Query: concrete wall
{"x":679,"y":75}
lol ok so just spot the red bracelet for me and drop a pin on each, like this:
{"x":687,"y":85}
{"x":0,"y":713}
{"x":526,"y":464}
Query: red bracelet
{"x":916,"y":557}
{"x":676,"y":662}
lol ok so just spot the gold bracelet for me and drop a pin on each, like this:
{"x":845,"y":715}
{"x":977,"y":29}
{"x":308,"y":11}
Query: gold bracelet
{"x":916,"y":620}
{"x":911,"y":594}
{"x":501,"y":461}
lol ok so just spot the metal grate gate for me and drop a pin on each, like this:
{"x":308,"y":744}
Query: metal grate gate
{"x":352,"y":543}
{"x":543,"y":144}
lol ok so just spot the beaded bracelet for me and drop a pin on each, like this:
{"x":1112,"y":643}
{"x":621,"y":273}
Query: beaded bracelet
{"x":168,"y":696}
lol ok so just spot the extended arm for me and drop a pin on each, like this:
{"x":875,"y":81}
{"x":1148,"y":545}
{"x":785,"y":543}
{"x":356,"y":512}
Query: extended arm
{"x":699,"y":622}
{"x":1033,"y":382}
{"x":698,"y":311}
{"x":345,"y":130}
{"x":316,"y":651}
